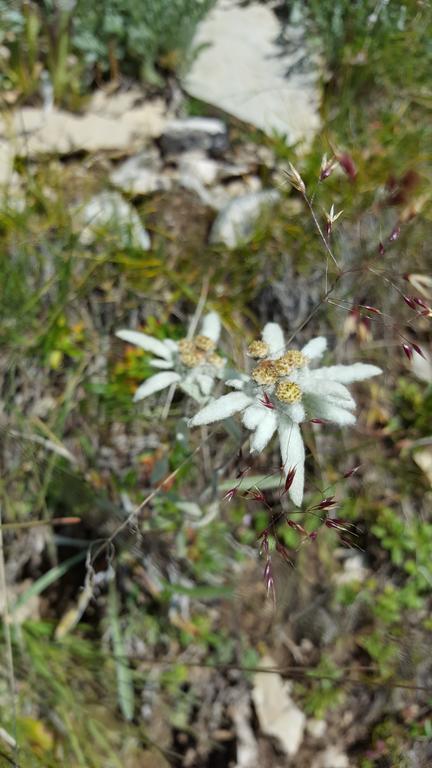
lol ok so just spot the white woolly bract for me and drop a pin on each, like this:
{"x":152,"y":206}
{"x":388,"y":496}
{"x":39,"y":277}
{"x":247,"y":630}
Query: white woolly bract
{"x":211,"y":326}
{"x":171,"y":344}
{"x":205,"y":383}
{"x":264,"y":432}
{"x":253,"y":415}
{"x":235,"y":383}
{"x":155,"y":384}
{"x":273,"y":336}
{"x":323,"y":389}
{"x":332,"y":411}
{"x":164,"y":365}
{"x":221,"y":408}
{"x":315,"y":348}
{"x":293,"y":456}
{"x":296,"y":412}
{"x":345,"y":374}
{"x":145,"y":342}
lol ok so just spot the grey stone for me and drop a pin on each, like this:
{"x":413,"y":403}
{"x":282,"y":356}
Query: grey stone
{"x":196,"y":165}
{"x":109,"y":210}
{"x":141,"y":175}
{"x":237,"y":222}
{"x":208,"y":170}
{"x":195,"y":133}
{"x":243,"y":70}
{"x":200,"y":175}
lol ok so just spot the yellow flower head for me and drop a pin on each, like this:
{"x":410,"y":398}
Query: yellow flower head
{"x":257,"y":349}
{"x":288,"y":392}
{"x":265,"y":372}
{"x":204,"y":343}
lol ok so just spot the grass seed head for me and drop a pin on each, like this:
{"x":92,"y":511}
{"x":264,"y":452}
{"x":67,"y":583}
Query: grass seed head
{"x":295,"y":179}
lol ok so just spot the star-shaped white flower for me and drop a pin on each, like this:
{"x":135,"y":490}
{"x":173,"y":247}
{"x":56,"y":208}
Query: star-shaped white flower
{"x":192,"y":364}
{"x":283,"y":391}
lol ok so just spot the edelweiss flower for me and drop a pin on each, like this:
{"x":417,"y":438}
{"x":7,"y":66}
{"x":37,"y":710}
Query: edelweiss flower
{"x":282,"y":391}
{"x":193,"y":364}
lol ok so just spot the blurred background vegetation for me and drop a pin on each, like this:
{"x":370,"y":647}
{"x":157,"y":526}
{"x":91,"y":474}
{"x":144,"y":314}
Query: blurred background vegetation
{"x":116,"y":638}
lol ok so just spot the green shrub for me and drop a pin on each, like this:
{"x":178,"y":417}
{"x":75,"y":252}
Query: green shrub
{"x":81,"y":43}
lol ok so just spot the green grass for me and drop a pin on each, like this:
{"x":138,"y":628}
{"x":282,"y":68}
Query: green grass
{"x":86,"y":43}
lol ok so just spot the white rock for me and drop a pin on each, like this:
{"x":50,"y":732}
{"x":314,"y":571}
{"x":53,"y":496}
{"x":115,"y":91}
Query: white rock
{"x":195,"y":133}
{"x":243,"y":71}
{"x":140,"y":175}
{"x":278,"y":715}
{"x":6,"y":162}
{"x":354,"y":570}
{"x":109,"y":210}
{"x":114,"y":104}
{"x":198,"y":173}
{"x":332,"y":757}
{"x":146,"y":122}
{"x":220,"y":195}
{"x":197,"y":166}
{"x":209,"y":170}
{"x":34,"y":132}
{"x":316,"y":728}
{"x":236,"y":223}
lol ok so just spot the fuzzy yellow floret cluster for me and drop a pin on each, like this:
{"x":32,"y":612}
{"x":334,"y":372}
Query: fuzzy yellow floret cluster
{"x":198,"y":352}
{"x":268,"y":371}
